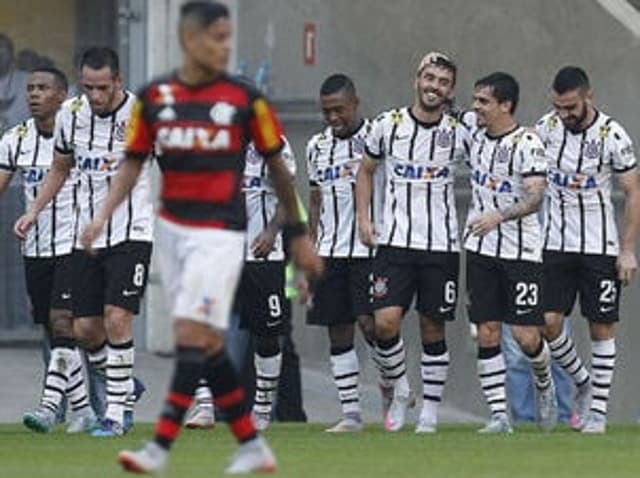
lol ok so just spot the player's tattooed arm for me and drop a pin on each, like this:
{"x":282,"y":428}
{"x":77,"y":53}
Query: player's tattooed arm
{"x":533,"y":187}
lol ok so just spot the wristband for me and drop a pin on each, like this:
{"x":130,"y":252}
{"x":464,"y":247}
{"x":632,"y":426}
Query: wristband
{"x":291,"y":231}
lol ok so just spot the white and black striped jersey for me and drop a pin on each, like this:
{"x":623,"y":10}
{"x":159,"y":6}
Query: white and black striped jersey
{"x":499,"y":165}
{"x":579,"y":215}
{"x":97,"y":144}
{"x":419,"y":162}
{"x":261,"y":199}
{"x":332,"y":166}
{"x":23,"y":149}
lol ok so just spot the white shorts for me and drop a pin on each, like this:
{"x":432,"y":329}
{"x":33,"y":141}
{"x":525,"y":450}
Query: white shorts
{"x":200,"y":269}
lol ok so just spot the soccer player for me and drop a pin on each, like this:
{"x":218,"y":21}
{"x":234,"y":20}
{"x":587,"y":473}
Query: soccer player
{"x":583,"y":255}
{"x":201,"y":120}
{"x":107,"y":286}
{"x":503,"y":241}
{"x":418,"y":245}
{"x":341,"y":297}
{"x":260,"y":297}
{"x":27,"y":149}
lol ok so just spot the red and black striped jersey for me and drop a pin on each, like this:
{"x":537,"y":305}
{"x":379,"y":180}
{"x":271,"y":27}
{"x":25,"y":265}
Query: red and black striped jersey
{"x":200,"y":135}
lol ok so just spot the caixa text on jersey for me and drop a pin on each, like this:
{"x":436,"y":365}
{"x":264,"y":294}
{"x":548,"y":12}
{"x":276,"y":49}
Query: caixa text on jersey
{"x":100,"y":163}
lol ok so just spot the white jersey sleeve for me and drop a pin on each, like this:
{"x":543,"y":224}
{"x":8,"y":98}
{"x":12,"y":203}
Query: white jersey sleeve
{"x":623,"y":156}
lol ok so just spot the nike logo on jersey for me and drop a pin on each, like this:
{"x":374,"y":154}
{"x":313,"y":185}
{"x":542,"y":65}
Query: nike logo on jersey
{"x":523,"y":311}
{"x":607,"y":308}
{"x":65,"y":296}
{"x":129,"y":293}
{"x":273,"y":323}
{"x":444,"y":310}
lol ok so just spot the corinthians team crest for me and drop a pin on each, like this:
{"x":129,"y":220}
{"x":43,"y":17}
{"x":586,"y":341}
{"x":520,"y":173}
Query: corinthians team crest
{"x":379,"y":287}
{"x":592,"y":149}
{"x":502,"y":154}
{"x":444,"y":138}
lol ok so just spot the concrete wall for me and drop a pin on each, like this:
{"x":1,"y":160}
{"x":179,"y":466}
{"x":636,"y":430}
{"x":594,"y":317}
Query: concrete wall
{"x":379,"y":44}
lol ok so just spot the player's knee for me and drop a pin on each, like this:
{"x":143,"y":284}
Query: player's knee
{"x":528,"y":338}
{"x":367,"y":327}
{"x":601,"y":331}
{"x":431,"y":330}
{"x":489,"y":335}
{"x":89,"y":332}
{"x":190,"y":333}
{"x":341,"y":335}
{"x":61,"y":323}
{"x":386,"y":329}
{"x":117,"y":323}
{"x":553,"y":323}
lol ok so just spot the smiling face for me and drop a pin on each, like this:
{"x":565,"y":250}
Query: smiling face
{"x":340,"y":111}
{"x":488,"y":109}
{"x":434,"y":87}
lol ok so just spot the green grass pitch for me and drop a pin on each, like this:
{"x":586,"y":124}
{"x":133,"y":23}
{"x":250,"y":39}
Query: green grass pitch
{"x":304,"y":451}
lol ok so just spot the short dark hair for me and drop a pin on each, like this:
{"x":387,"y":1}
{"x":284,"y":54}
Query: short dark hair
{"x":203,"y":13}
{"x":59,"y":77}
{"x":97,"y":57}
{"x":504,"y":87}
{"x":337,"y":82}
{"x":570,"y":78}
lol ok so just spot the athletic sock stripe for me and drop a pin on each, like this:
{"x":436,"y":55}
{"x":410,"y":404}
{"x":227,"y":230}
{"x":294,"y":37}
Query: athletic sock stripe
{"x":493,"y":374}
{"x":51,"y":388}
{"x":346,"y":376}
{"x":76,"y":371}
{"x":396,"y":376}
{"x":266,"y":389}
{"x":602,"y":367}
{"x":493,"y":386}
{"x":390,"y":353}
{"x":431,"y":398}
{"x":432,"y":382}
{"x":438,"y":363}
{"x":75,"y":387}
{"x":118,"y":378}
{"x":79,"y":400}
{"x":349,"y":400}
{"x":555,"y":347}
{"x":347,"y":387}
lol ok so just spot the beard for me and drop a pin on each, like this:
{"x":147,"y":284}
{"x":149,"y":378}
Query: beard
{"x":431,"y":107}
{"x":575,"y":123}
